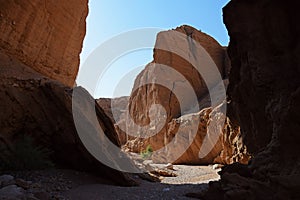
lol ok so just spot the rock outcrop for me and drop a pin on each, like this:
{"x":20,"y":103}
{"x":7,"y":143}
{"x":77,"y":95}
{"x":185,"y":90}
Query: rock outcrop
{"x":228,"y":149}
{"x":40,"y":42}
{"x":182,"y":117}
{"x":114,"y":108}
{"x":36,"y":106}
{"x":143,"y":97}
{"x":264,"y":91}
{"x":45,"y":35}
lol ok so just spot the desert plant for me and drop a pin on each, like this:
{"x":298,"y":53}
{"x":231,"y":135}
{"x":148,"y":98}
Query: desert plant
{"x":147,"y":153}
{"x":26,"y":156}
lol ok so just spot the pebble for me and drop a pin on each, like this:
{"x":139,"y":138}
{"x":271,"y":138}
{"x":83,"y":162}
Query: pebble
{"x":147,"y":162}
{"x":41,"y":195}
{"x":11,"y":191}
{"x":42,"y":187}
{"x":36,"y":185}
{"x":170,"y":166}
{"x":217,"y":166}
{"x":6,"y":180}
{"x":149,"y":168}
{"x":22,"y":183}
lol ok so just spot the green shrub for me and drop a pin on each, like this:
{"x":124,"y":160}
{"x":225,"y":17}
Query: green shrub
{"x":26,"y":156}
{"x":146,"y":154}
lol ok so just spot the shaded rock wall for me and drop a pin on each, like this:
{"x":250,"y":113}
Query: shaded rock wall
{"x":45,"y":35}
{"x":41,"y":108}
{"x":264,"y":91}
{"x":265,"y":76}
{"x":114,"y":108}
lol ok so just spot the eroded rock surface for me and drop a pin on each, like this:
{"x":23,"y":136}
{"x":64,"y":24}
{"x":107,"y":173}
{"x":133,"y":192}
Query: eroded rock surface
{"x":45,"y":35}
{"x":178,"y":134}
{"x":142,"y":98}
{"x":114,"y":108}
{"x":39,"y":107}
{"x":264,"y":91}
{"x":40,"y":42}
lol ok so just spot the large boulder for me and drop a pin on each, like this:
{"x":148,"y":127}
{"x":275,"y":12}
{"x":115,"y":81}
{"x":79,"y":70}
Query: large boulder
{"x":36,"y":106}
{"x":45,"y":35}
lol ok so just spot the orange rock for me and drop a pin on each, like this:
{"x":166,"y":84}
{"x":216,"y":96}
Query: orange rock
{"x":143,"y":97}
{"x":45,"y":35}
{"x":184,"y":125}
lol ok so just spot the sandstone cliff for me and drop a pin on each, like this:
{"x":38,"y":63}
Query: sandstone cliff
{"x":40,"y":40}
{"x":170,"y":91}
{"x":45,"y":35}
{"x":264,"y":91}
{"x":143,"y":97}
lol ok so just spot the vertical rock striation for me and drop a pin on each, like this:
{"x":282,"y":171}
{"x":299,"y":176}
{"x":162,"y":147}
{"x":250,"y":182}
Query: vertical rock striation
{"x":185,"y":124}
{"x":40,"y":40}
{"x":264,"y":91}
{"x":45,"y":35}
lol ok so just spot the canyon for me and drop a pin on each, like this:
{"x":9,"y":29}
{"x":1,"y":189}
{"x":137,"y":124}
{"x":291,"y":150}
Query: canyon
{"x":258,"y":145}
{"x":157,"y":84}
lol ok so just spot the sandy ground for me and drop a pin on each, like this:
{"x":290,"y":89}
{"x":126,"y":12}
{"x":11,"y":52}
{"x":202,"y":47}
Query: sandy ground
{"x":189,"y":179}
{"x":62,"y":184}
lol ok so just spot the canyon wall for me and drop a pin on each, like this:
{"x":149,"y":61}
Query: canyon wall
{"x":143,"y":97}
{"x":41,"y":108}
{"x":40,"y":42}
{"x":264,"y":92}
{"x":45,"y":35}
{"x":184,"y":115}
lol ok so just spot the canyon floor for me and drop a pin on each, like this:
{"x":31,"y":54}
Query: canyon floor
{"x":68,"y":184}
{"x":188,"y":180}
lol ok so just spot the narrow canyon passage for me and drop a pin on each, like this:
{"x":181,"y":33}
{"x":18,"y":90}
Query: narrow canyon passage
{"x":202,"y":120}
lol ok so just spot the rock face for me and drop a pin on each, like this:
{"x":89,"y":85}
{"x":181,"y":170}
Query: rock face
{"x":114,"y":108}
{"x":143,"y":97}
{"x":182,"y":117}
{"x":228,"y":149}
{"x":40,"y":41}
{"x":45,"y":35}
{"x":41,"y":108}
{"x":264,"y":91}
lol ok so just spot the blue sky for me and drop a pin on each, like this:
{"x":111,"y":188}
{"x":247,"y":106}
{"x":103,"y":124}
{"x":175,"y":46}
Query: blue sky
{"x":108,"y":18}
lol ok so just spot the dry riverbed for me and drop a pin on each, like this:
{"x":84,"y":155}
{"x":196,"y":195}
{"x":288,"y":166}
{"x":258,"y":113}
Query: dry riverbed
{"x":68,"y":184}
